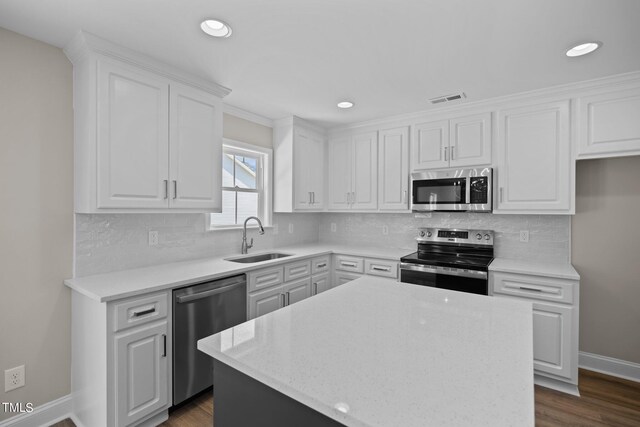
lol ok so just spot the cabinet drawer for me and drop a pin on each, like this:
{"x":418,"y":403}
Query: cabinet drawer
{"x":536,"y":287}
{"x":262,"y":279}
{"x":297,"y":270}
{"x":349,"y":263}
{"x":376,"y":267}
{"x":138,"y":311}
{"x":320,"y":264}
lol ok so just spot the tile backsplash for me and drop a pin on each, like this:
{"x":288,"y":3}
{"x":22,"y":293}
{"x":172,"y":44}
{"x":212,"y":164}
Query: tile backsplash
{"x":549,"y":235}
{"x":112,"y":242}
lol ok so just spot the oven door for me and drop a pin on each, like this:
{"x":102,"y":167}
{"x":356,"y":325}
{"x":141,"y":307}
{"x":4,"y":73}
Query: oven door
{"x":455,"y":279}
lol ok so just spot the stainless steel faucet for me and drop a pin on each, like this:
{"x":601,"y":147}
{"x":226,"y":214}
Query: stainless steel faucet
{"x":245,"y":246}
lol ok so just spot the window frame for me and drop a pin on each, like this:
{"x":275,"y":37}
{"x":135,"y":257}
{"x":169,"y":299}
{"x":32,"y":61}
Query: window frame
{"x":264,"y":182}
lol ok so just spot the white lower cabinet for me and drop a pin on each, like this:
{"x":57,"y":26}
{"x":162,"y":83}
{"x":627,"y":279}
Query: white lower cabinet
{"x":122,"y":361}
{"x":286,"y":284}
{"x":348,"y":268}
{"x":555,"y":320}
{"x":141,"y":372}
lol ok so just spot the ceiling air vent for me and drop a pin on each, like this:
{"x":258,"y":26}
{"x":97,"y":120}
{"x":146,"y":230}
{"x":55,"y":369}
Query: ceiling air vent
{"x":448,"y":98}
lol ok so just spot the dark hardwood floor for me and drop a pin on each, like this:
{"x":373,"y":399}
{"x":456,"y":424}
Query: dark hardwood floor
{"x":604,"y":401}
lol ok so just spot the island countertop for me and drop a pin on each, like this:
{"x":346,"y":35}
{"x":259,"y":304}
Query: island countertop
{"x":374,"y":352}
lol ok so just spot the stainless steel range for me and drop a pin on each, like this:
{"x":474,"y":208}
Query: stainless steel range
{"x":450,"y":259}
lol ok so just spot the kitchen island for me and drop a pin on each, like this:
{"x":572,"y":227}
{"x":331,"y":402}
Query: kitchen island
{"x":374,"y":352}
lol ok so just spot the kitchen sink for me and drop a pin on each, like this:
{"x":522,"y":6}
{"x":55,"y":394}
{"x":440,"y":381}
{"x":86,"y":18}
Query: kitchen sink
{"x":257,"y":258}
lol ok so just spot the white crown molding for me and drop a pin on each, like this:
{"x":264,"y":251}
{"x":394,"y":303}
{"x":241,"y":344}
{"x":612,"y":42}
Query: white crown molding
{"x":247,"y":115}
{"x":84,"y":44}
{"x":296,"y":121}
{"x":610,"y":366}
{"x":43,"y":415}
{"x":553,"y":92}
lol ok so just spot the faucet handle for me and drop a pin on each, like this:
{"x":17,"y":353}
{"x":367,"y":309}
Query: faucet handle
{"x":250,"y":245}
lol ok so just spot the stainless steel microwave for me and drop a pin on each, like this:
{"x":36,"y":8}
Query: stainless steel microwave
{"x":450,"y":190}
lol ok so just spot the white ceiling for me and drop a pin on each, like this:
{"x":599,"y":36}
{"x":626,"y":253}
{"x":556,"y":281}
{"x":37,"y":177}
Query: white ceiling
{"x":302,"y":56}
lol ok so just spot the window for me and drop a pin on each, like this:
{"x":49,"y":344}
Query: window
{"x":245,"y":185}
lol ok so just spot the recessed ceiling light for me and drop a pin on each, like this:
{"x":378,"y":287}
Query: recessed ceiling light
{"x":345,"y":104}
{"x":216,"y":28}
{"x":583,"y":49}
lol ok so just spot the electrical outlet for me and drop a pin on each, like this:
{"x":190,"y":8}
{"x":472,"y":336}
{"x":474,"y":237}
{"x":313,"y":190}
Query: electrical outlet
{"x":524,"y":236}
{"x":385,"y":230}
{"x":290,"y":228}
{"x":274,"y":229}
{"x":333,"y":227}
{"x":14,"y":378}
{"x":153,"y":238}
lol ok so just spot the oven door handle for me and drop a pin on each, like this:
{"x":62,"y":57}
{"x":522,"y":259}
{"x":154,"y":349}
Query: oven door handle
{"x":443,"y":270}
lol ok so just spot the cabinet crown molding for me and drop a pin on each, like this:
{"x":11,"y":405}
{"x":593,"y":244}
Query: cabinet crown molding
{"x":84,"y":45}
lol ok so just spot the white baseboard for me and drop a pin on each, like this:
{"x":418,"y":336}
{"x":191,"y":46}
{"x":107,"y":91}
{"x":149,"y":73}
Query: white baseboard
{"x":609,"y":365}
{"x":557,"y":385}
{"x":43,"y":415}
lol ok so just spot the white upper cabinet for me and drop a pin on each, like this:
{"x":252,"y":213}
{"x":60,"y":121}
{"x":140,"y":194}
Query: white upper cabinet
{"x":133,"y":144}
{"x":457,"y":142}
{"x":470,"y":140}
{"x":609,"y":124}
{"x":533,"y":164}
{"x":299,"y":178}
{"x":393,"y":169}
{"x":196,"y":126}
{"x":353,"y":172}
{"x":148,"y":137}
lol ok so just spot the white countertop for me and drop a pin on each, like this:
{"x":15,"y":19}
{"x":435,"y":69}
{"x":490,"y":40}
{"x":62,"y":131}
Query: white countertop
{"x":394,"y":354}
{"x":127,"y":283}
{"x":559,"y":270}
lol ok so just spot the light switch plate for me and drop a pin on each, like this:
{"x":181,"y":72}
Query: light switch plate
{"x":524,"y":236}
{"x":153,"y":238}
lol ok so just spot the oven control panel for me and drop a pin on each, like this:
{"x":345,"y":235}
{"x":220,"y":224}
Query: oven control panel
{"x":443,"y":235}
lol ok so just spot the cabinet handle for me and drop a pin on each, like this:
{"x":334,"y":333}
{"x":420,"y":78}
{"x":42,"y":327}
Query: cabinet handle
{"x":501,"y":194}
{"x":404,"y":196}
{"x":324,"y":264}
{"x":284,"y":300}
{"x":381,"y":268}
{"x":143,"y":312}
{"x":446,"y":154}
{"x":166,"y":189}
{"x":524,"y":288}
{"x":175,"y":189}
{"x":288,"y":298}
{"x":313,"y":197}
{"x":348,"y":264}
{"x":315,"y":288}
{"x":453,"y":151}
{"x":164,"y":345}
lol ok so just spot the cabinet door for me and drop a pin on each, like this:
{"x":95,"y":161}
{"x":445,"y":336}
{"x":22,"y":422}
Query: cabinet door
{"x":364,"y":176}
{"x":142,"y":372}
{"x":393,"y":166}
{"x":609,"y":124}
{"x":470,"y":140}
{"x":320,"y":283}
{"x":196,"y":149}
{"x":339,"y":172}
{"x":308,"y":167}
{"x":552,"y":339}
{"x":533,"y":166}
{"x":298,"y":290}
{"x":430,"y":145}
{"x":133,"y":141}
{"x":263,"y":302}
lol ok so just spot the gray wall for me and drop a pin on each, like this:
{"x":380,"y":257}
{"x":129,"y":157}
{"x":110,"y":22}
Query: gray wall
{"x":36,"y":218}
{"x":606,"y":253}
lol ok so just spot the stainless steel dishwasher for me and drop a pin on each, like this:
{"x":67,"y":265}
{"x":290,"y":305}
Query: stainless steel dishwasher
{"x":199,"y":311}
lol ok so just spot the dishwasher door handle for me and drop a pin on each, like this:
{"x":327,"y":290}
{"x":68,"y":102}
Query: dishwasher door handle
{"x":186,"y":298}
